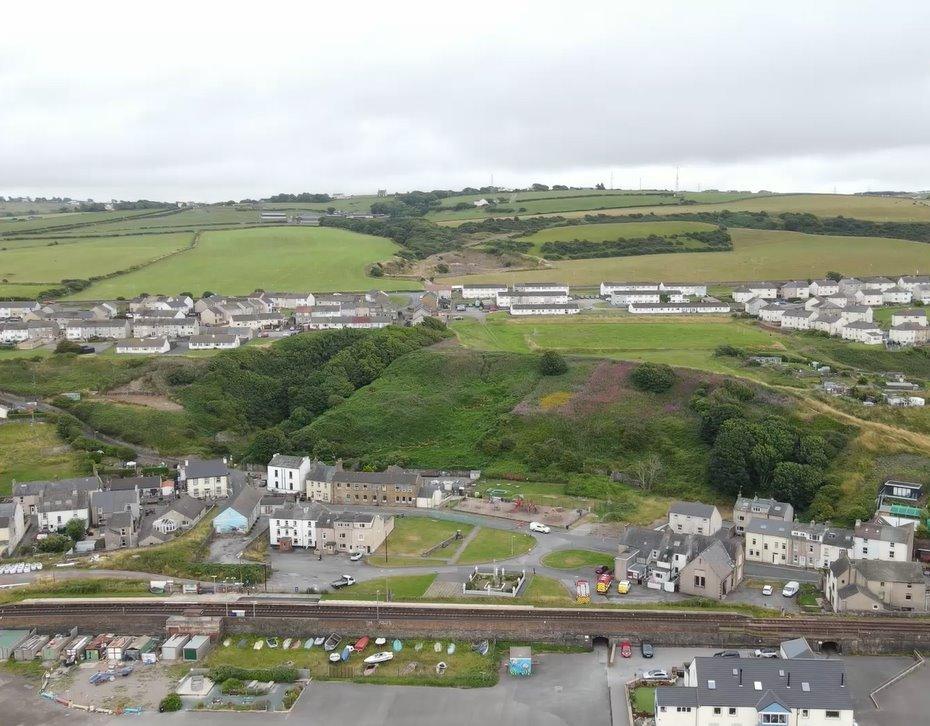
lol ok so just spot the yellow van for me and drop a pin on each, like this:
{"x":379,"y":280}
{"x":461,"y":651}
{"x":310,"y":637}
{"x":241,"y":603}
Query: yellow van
{"x":623,"y":587}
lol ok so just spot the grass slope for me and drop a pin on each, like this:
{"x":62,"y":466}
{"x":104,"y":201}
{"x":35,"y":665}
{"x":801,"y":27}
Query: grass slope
{"x":84,"y":258}
{"x":604,"y":232}
{"x":29,"y":453}
{"x":276,"y":258}
{"x":756,"y":255}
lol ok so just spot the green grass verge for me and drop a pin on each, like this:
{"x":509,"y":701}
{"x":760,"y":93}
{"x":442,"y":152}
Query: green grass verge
{"x":495,"y":544}
{"x":576,"y":559}
{"x":33,"y":452}
{"x":412,"y":536}
{"x":83,"y":588}
{"x":401,"y":587}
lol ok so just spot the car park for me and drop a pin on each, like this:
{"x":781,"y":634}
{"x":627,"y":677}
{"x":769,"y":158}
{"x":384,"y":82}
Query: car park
{"x":791,"y":589}
{"x":726,"y":654}
{"x":540,"y":527}
{"x":766,"y":590}
{"x":656,"y":674}
{"x":647,"y":650}
{"x":765,"y":653}
{"x":626,"y":650}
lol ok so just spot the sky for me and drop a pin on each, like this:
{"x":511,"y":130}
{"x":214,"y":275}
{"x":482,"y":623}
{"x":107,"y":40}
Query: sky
{"x":208,"y":101}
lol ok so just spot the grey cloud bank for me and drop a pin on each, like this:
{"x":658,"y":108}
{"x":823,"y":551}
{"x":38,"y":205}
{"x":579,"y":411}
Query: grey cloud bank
{"x":217,"y":101}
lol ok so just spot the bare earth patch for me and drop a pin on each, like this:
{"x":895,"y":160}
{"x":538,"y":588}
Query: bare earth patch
{"x":150,"y":400}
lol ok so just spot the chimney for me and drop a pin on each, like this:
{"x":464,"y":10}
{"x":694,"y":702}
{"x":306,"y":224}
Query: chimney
{"x":789,"y":679}
{"x":858,"y":522}
{"x":741,"y":677}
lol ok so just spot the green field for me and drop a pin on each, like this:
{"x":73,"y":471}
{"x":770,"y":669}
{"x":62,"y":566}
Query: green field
{"x":548,"y":204}
{"x":235,"y":262}
{"x":605,"y":232}
{"x":86,"y":258}
{"x":577,"y":559}
{"x":53,"y":222}
{"x":412,"y":536}
{"x":401,"y":587}
{"x":756,"y":255}
{"x":677,"y":341}
{"x":495,"y":544}
{"x":29,"y":453}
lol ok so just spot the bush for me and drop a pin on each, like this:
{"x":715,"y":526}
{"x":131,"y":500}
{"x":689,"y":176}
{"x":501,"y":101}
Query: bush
{"x":67,"y":346}
{"x":171,"y":702}
{"x":654,"y":377}
{"x":552,"y":364}
{"x":55,"y":543}
{"x":278,"y":674}
{"x":75,"y":529}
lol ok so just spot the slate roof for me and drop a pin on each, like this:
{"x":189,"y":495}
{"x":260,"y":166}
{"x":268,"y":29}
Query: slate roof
{"x":202,"y":468}
{"x":390,"y":476}
{"x":113,"y":500}
{"x":288,"y":462}
{"x":7,"y":510}
{"x":58,"y":486}
{"x":120,"y":520}
{"x":772,"y":507}
{"x":693,"y":509}
{"x":797,"y":648}
{"x":187,"y":507}
{"x":246,"y":501}
{"x":134,"y":482}
{"x":883,"y":532}
{"x":311,"y":512}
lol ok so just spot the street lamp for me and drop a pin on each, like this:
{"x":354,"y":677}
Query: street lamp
{"x":378,"y":607}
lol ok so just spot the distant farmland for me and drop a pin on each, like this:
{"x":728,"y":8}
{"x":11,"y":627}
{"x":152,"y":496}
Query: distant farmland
{"x":756,"y":255}
{"x":276,"y":258}
{"x":611,"y":231}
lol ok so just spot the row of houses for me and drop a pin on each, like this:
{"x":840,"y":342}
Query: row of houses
{"x":869,"y":290}
{"x":663,"y":298}
{"x":521,"y":299}
{"x":311,"y":525}
{"x":305,"y":478}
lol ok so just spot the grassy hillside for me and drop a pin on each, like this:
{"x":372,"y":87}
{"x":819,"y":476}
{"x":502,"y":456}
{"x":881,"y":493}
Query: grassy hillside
{"x":274,"y":258}
{"x":756,"y":255}
{"x":604,"y":232}
{"x":29,"y":452}
{"x":54,"y":260}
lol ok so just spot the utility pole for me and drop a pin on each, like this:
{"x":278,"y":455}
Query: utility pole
{"x":676,"y":178}
{"x":611,"y":179}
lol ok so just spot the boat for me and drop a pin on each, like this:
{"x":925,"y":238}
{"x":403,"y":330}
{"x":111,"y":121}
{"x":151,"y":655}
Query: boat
{"x":441,"y":668}
{"x":287,"y":644}
{"x":482,"y":647}
{"x":242,"y":643}
{"x":346,"y":652}
{"x":418,"y":647}
{"x":334,"y":658}
{"x":308,"y":643}
{"x":272,"y":642}
{"x":451,"y":649}
{"x":332,"y":642}
{"x":361,"y":643}
{"x":319,"y":641}
{"x":437,"y":647}
{"x":382,"y":657}
{"x":398,"y":646}
{"x":296,"y":644}
{"x":380,"y":641}
{"x":259,"y":644}
{"x":227,"y":642}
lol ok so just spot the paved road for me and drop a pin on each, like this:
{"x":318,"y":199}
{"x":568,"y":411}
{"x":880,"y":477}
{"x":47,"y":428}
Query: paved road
{"x":778,"y":573}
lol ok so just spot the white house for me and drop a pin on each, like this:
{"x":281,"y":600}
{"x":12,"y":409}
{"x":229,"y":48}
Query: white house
{"x":211,"y":341}
{"x":758,"y":692}
{"x":798,"y":319}
{"x":167,"y":327}
{"x":773,"y":312}
{"x":742,"y":294}
{"x":17,"y":308}
{"x":687,"y":308}
{"x":754,"y":306}
{"x":106,"y":329}
{"x":55,"y":512}
{"x":914,"y":315}
{"x":879,"y":541}
{"x":908,"y":334}
{"x":829,"y":321}
{"x":854,"y":313}
{"x":531,"y":297}
{"x":609,"y":288}
{"x":872,"y":296}
{"x":910,"y":282}
{"x":567,"y":308}
{"x":531,"y":287}
{"x":694,"y":518}
{"x":896,"y":296}
{"x":765,"y":290}
{"x":849,"y":285}
{"x":863,"y":332}
{"x":204,"y":478}
{"x":22,"y":331}
{"x":695,"y":289}
{"x":12,"y":526}
{"x":288,"y":474}
{"x":882,"y":283}
{"x":794,"y":290}
{"x":639,"y":295}
{"x":482,"y":292}
{"x":824,"y":287}
{"x":296,"y":523}
{"x":144,"y":346}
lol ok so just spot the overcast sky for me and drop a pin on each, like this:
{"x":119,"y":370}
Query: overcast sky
{"x":212,"y":101}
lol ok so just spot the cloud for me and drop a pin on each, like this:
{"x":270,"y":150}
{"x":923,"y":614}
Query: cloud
{"x":211,"y":101}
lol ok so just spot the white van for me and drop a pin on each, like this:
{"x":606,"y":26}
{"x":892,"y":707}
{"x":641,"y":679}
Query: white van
{"x":539,"y":527}
{"x":791,"y":589}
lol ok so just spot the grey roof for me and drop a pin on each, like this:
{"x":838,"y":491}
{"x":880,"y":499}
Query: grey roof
{"x":676,"y":696}
{"x":771,"y":507}
{"x":862,"y":325}
{"x":693,"y":509}
{"x":547,"y":306}
{"x":141,"y":343}
{"x":7,"y":510}
{"x":134,"y":482}
{"x":802,"y":683}
{"x":201,"y":468}
{"x":770,"y":527}
{"x":390,"y":476}
{"x":797,"y":648}
{"x":288,"y":462}
{"x":246,"y":501}
{"x":912,"y":312}
{"x":188,"y":507}
{"x":883,"y":532}
{"x":63,"y":502}
{"x":216,"y":338}
{"x":322,"y":472}
{"x":310,"y":512}
{"x":331,"y":518}
{"x":114,"y":500}
{"x":889,"y":571}
{"x":120,"y":520}
{"x":56,"y":487}
{"x":908,"y":326}
{"x":718,"y":559}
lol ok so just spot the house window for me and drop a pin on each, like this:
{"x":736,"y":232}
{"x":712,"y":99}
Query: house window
{"x":773,"y":718}
{"x":699,"y":581}
{"x":804,"y":713}
{"x":832,"y":714}
{"x":717,"y":710}
{"x":732,"y":711}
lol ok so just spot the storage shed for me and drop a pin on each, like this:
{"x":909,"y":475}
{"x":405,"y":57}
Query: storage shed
{"x":116,"y":648}
{"x":30,"y":648}
{"x":10,"y":641}
{"x":140,"y":645}
{"x":172,"y":649}
{"x":97,"y":648}
{"x":52,"y":649}
{"x":197,"y":647}
{"x":521,"y":660}
{"x":75,"y":649}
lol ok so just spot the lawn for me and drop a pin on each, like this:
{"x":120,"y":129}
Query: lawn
{"x":401,"y":587}
{"x":30,"y":453}
{"x":545,"y":591}
{"x":644,"y":700}
{"x":576,"y":559}
{"x":465,"y":667}
{"x":495,"y":544}
{"x":549,"y":494}
{"x":236,"y":262}
{"x":22,"y":291}
{"x":62,"y":258}
{"x":412,"y":536}
{"x":756,"y":255}
{"x":678,"y":341}
{"x":612,"y":231}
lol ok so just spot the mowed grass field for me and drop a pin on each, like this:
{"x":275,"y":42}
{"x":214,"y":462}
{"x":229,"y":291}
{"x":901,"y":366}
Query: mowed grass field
{"x":681,"y":341}
{"x":30,"y":453}
{"x":236,"y":262}
{"x":84,"y":258}
{"x":756,"y":255}
{"x":604,"y":232}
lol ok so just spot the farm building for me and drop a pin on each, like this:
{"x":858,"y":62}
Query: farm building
{"x":173,"y":648}
{"x":196,"y":648}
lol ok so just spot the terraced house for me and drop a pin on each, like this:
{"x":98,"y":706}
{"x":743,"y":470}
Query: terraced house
{"x":795,"y":544}
{"x":393,"y":486}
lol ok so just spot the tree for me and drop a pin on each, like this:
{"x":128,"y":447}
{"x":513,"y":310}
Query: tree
{"x":264,"y":445}
{"x":728,"y":467}
{"x":655,"y":377}
{"x":835,"y":276}
{"x":552,"y":364}
{"x":171,"y":702}
{"x":539,"y":188}
{"x":75,"y":529}
{"x":797,"y":483}
{"x":67,"y":346}
{"x":648,"y":471}
{"x":55,"y":543}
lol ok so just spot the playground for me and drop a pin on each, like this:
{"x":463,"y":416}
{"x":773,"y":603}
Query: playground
{"x":520,"y":510}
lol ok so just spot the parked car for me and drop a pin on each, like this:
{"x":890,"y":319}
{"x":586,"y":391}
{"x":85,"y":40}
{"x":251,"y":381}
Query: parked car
{"x":623,"y":587}
{"x":603,"y":570}
{"x":766,"y":589}
{"x":726,"y":654}
{"x":791,"y":589}
{"x":626,"y":650}
{"x":647,"y":650}
{"x":345,"y":581}
{"x":765,"y":653}
{"x":539,"y":527}
{"x":356,"y":556}
{"x":656,"y":674}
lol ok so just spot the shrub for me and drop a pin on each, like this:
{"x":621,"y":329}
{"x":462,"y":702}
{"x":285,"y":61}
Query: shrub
{"x":654,"y":377}
{"x":552,"y":364}
{"x":171,"y":702}
{"x":67,"y":346}
{"x":55,"y":543}
{"x":278,"y":674}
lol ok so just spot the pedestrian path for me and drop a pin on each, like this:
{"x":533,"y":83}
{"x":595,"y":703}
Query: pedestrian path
{"x":465,"y":542}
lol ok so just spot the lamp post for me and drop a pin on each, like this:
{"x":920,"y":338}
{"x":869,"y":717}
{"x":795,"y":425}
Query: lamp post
{"x":378,"y":607}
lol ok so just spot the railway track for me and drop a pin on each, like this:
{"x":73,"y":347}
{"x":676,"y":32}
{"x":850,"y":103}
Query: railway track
{"x":569,"y":619}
